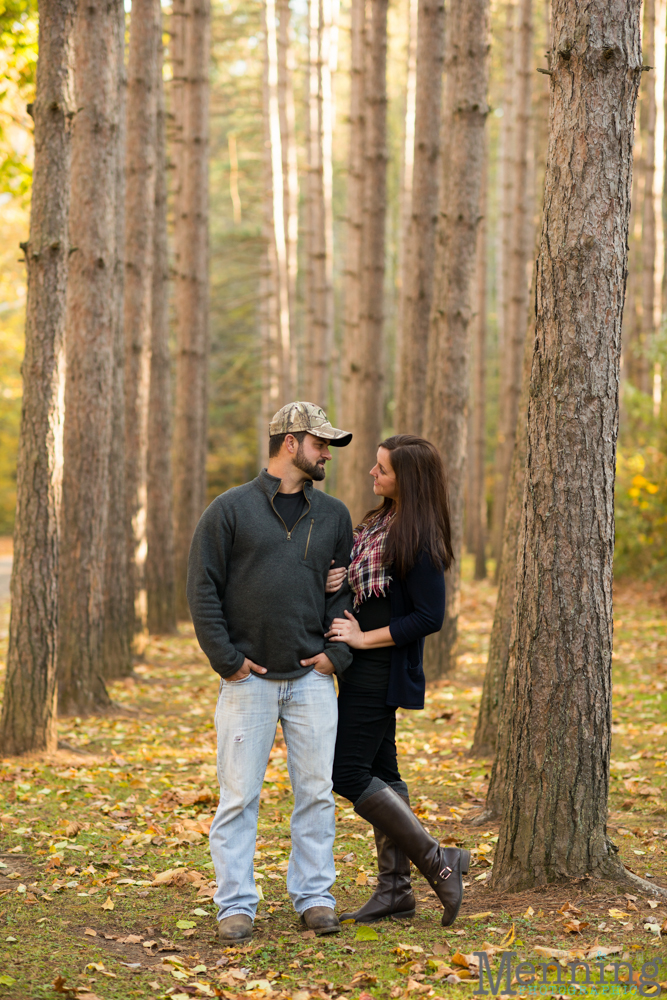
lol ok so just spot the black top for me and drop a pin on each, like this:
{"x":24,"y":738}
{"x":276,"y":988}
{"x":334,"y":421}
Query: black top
{"x":370,"y":667}
{"x":290,"y":506}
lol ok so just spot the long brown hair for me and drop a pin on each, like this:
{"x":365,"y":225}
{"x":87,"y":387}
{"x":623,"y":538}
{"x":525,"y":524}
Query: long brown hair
{"x":422,"y":514}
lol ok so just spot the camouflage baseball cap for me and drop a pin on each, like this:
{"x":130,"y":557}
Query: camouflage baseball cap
{"x":295,"y":417}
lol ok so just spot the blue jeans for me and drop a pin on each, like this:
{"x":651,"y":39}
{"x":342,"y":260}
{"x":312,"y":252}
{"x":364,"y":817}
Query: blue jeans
{"x":246,"y":718}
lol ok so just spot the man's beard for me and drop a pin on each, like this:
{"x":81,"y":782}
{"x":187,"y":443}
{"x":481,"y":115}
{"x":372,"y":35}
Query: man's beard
{"x":315,"y":470}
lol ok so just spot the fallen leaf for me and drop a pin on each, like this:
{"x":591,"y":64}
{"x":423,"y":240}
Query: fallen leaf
{"x":185,"y":924}
{"x":459,"y":959}
{"x":108,"y":904}
{"x":617,"y":914}
{"x":362,"y":879}
{"x":90,"y":932}
{"x":529,"y":912}
{"x":365,"y":933}
{"x":478,"y":916}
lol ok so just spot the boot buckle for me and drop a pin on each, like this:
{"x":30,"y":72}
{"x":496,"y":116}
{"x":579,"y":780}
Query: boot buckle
{"x":449,"y":872}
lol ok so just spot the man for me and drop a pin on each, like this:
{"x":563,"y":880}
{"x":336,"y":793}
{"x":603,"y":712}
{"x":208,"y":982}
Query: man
{"x":256,"y":588}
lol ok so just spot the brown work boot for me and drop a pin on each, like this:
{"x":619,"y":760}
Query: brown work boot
{"x":236,"y":928}
{"x":321,"y":919}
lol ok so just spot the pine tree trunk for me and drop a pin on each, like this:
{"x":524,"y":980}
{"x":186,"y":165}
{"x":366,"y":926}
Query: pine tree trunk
{"x":160,"y":579}
{"x":290,"y":172}
{"x":477,"y":505}
{"x":419,"y":253}
{"x":516,"y":289}
{"x":317,"y":312}
{"x":118,"y":613}
{"x":362,"y":364}
{"x":556,"y":789}
{"x":405,"y":204}
{"x":330,"y":15}
{"x":90,"y":362}
{"x":349,"y":465}
{"x":448,"y":387}
{"x":139,"y":220}
{"x":29,"y":705}
{"x":191,"y":247}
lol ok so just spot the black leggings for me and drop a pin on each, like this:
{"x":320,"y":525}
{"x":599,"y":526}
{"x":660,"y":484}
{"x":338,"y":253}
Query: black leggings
{"x":365,"y":757}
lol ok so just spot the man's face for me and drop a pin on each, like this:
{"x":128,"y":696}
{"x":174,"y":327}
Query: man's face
{"x":311,"y":456}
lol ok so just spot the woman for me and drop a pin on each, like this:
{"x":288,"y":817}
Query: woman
{"x":401,"y":550}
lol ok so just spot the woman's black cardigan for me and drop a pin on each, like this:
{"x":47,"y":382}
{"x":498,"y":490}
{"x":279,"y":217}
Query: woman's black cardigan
{"x":417,"y":610}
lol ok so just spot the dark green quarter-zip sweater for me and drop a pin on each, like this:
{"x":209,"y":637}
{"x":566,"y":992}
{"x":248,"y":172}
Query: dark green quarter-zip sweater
{"x":256,"y":589}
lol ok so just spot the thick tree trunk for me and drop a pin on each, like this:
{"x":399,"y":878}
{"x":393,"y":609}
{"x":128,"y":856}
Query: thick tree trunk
{"x":191,"y":246}
{"x":362,"y":367}
{"x":557,"y":775}
{"x":160,"y":580}
{"x":517,"y":281}
{"x":448,"y":389}
{"x":658,"y":187}
{"x":419,"y":252}
{"x":140,"y":212}
{"x":29,"y":706}
{"x":118,"y":613}
{"x":90,"y":361}
{"x":477,"y":500}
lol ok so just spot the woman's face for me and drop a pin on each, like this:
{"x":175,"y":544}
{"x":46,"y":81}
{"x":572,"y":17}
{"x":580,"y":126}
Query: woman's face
{"x":384,"y":476}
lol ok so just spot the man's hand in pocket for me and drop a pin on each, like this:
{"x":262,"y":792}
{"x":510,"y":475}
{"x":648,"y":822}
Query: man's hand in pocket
{"x":244,"y":670}
{"x":321,"y":663}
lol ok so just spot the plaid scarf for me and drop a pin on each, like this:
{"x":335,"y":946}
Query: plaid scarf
{"x":367,"y":575}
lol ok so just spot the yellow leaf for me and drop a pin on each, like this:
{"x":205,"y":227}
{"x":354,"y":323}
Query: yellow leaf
{"x":459,"y":959}
{"x":509,"y":937}
{"x":479,"y":916}
{"x":108,"y":903}
{"x":362,"y":879}
{"x":617,"y":914}
{"x":529,"y":912}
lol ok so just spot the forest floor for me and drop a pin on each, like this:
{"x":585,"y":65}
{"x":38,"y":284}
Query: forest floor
{"x":105,"y":874}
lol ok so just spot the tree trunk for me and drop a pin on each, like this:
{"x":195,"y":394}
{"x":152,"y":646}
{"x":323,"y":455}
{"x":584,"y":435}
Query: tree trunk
{"x":419,"y":253}
{"x":319,"y":315}
{"x":362,"y":364}
{"x":477,"y":504}
{"x":118,"y":613}
{"x":486,"y":731}
{"x":658,"y":187}
{"x":191,"y":247}
{"x":90,"y":362}
{"x":330,"y":14}
{"x":516,"y":289}
{"x":160,"y":580}
{"x":290,"y":172}
{"x":448,"y":388}
{"x":140,"y":212}
{"x":29,"y":706}
{"x":405,"y":204}
{"x":555,"y":796}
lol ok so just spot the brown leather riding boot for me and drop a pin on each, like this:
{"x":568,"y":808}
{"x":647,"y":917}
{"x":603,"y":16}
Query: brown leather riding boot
{"x":442,"y":867}
{"x":394,"y":896}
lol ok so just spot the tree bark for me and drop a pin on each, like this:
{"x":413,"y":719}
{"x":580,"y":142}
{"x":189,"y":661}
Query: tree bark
{"x":90,"y":362}
{"x":140,"y":211}
{"x":516,"y":289}
{"x":419,"y":253}
{"x":290,"y":172}
{"x":29,"y":705}
{"x":556,"y":789}
{"x":160,"y":578}
{"x":118,"y":613}
{"x":448,"y":388}
{"x":191,"y":246}
{"x":362,"y":363}
{"x":477,"y":504}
